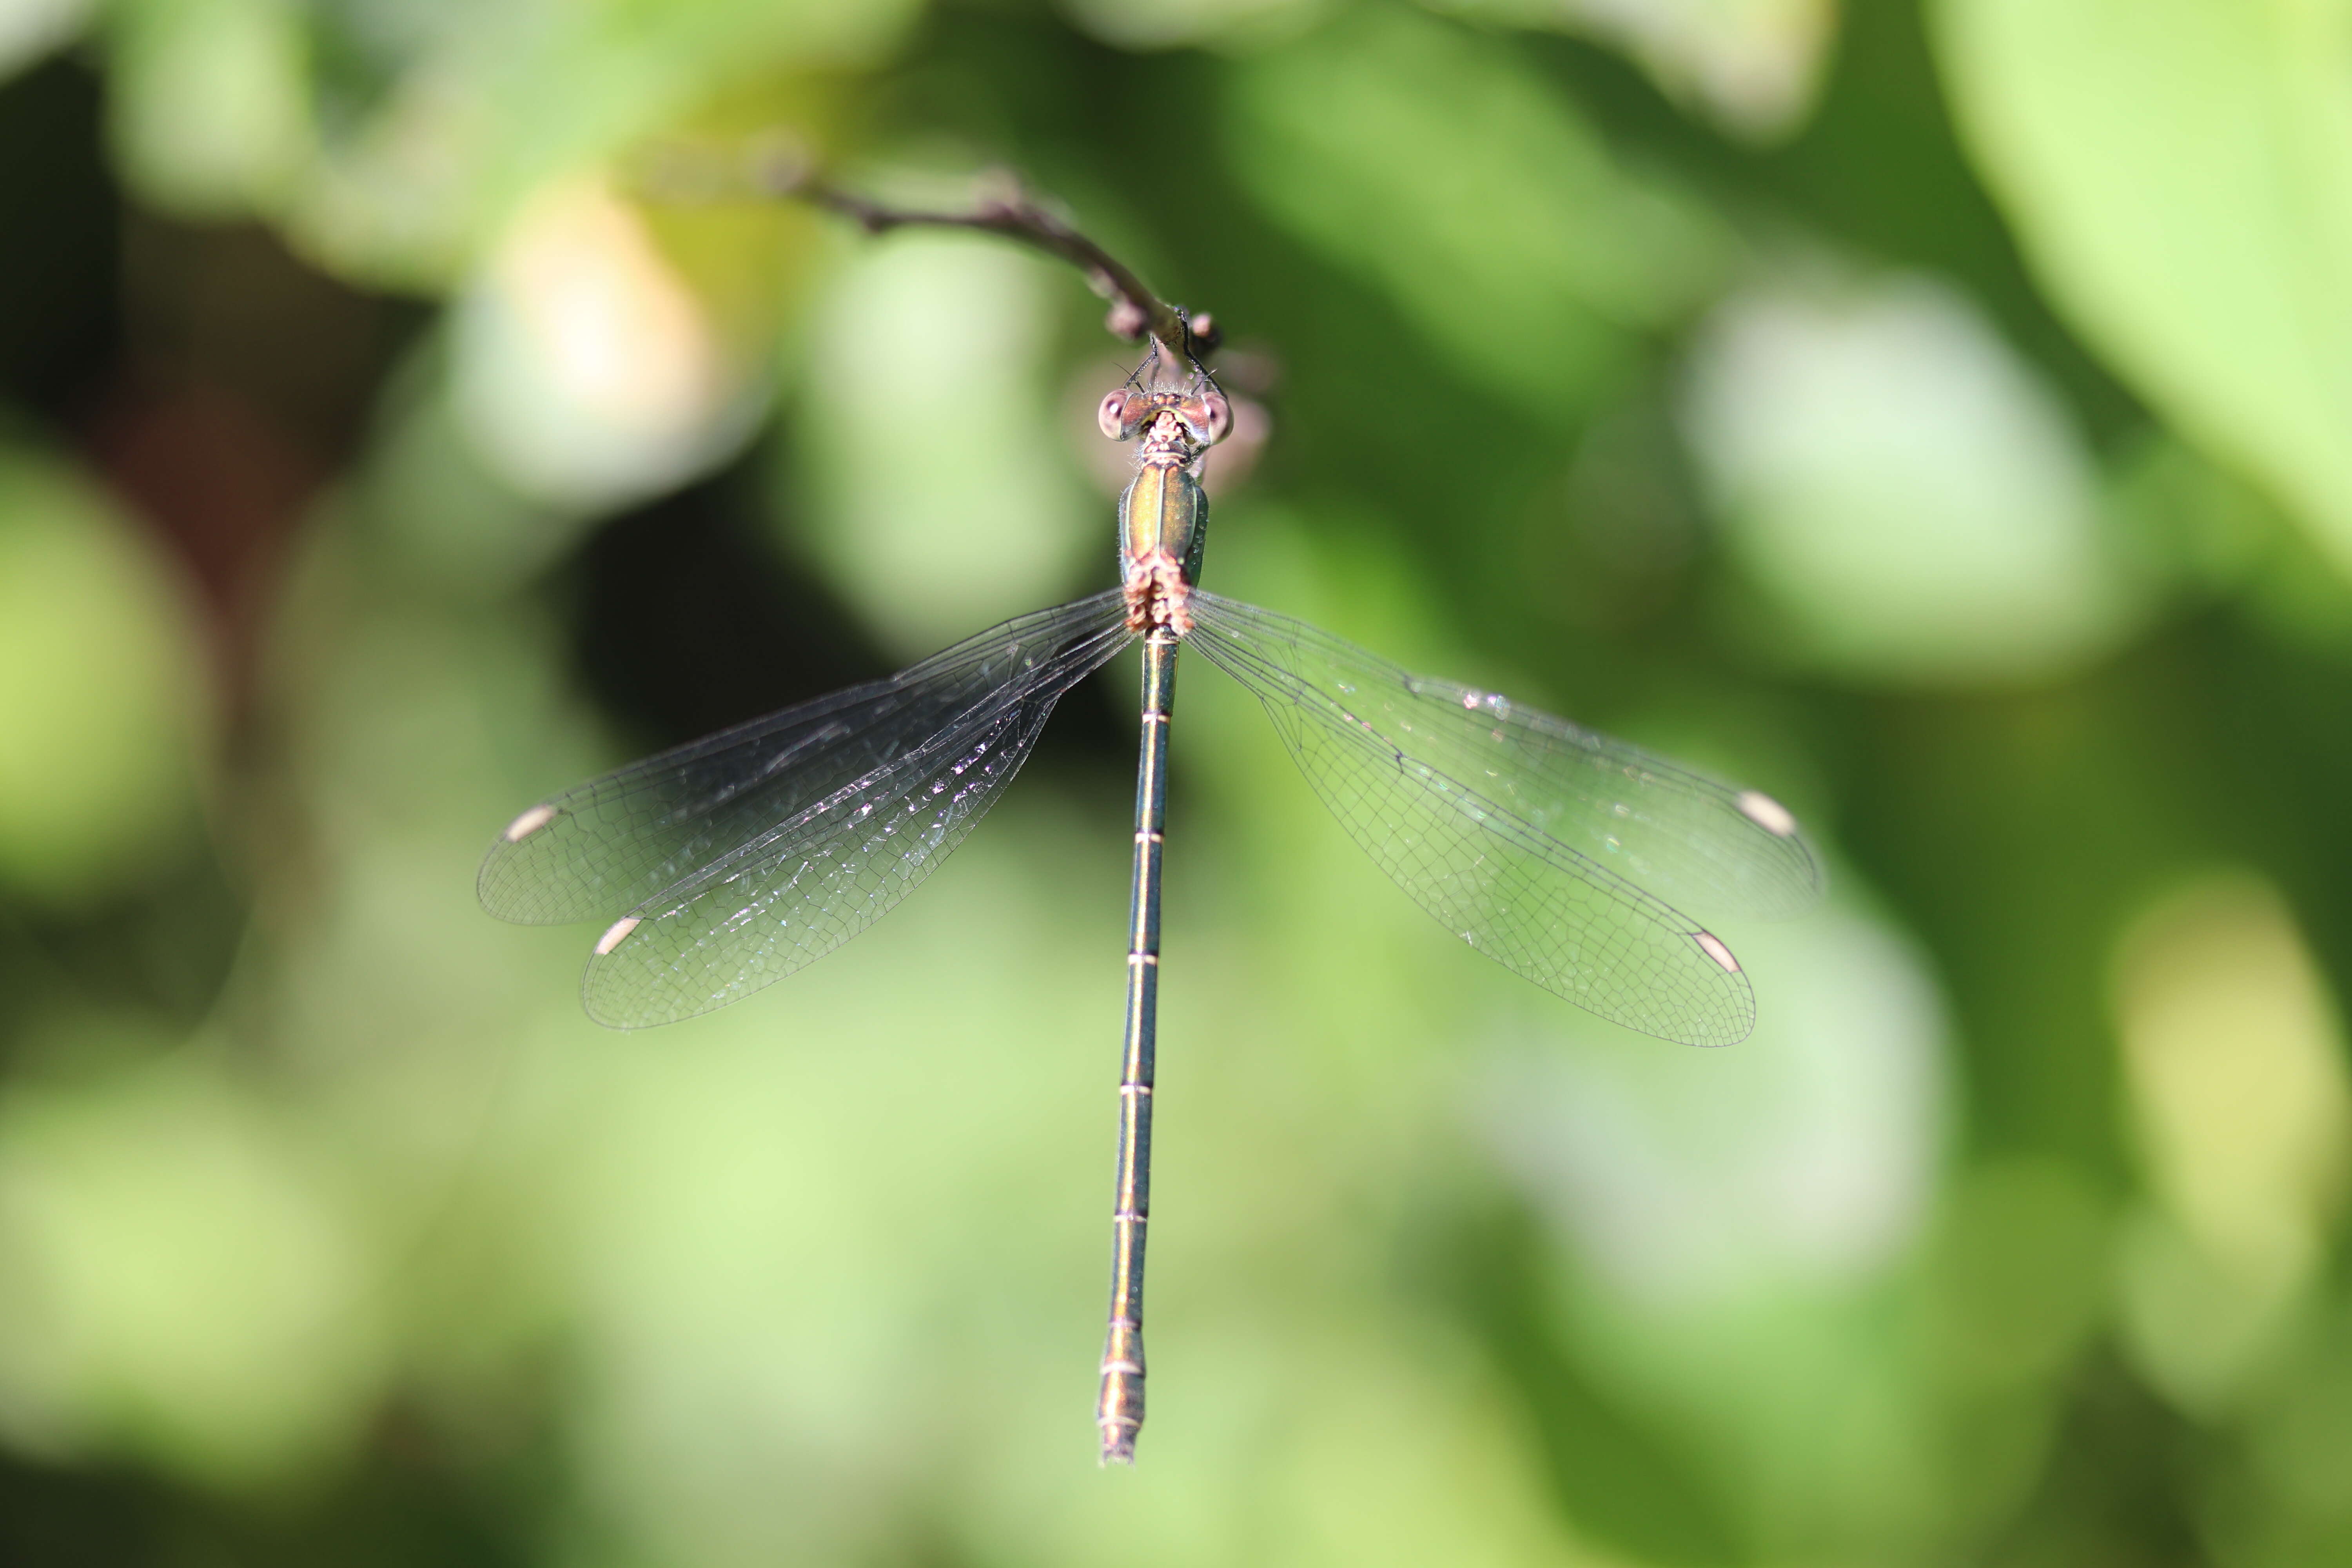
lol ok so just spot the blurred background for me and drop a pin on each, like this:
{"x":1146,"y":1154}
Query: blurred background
{"x":1939,"y":415}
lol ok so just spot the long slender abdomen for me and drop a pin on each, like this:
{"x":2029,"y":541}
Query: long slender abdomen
{"x":1119,"y":1410}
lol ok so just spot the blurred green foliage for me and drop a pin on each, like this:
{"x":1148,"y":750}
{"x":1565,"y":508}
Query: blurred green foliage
{"x":1936,"y":415}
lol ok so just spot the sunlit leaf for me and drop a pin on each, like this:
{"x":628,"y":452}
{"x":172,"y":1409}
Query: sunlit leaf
{"x":940,"y":494}
{"x":2234,"y":1067}
{"x":1436,"y":166}
{"x":1752,"y":66}
{"x":176,"y":1289}
{"x":1163,"y":24}
{"x":2179,"y":173}
{"x":29,"y":29}
{"x":589,"y":370}
{"x":100,"y":688}
{"x":1910,"y":497}
{"x":211,"y":103}
{"x":472,"y":112}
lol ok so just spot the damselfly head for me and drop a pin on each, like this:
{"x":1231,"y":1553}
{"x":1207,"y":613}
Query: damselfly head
{"x":1204,"y":416}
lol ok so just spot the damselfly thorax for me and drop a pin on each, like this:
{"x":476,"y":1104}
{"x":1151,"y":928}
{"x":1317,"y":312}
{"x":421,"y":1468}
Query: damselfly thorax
{"x":1163,"y":517}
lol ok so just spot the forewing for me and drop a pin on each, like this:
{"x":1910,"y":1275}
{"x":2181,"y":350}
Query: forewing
{"x":811,"y":883}
{"x":1687,"y":838}
{"x":1396,"y":769}
{"x":603,"y":847}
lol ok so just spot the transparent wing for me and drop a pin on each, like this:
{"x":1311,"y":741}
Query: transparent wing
{"x":600,"y":850}
{"x":1538,"y":843}
{"x":810,"y":883}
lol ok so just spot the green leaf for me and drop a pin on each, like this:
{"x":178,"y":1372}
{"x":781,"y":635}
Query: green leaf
{"x":1753,"y":67}
{"x":1915,"y":505}
{"x":99,"y":690}
{"x":2180,"y":174}
{"x":397,"y":155}
{"x":30,"y":30}
{"x":1442,"y":170}
{"x":210,"y":101}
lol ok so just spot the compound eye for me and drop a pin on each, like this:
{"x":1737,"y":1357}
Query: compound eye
{"x":1210,"y":417}
{"x":1112,"y":416}
{"x":1219,"y":421}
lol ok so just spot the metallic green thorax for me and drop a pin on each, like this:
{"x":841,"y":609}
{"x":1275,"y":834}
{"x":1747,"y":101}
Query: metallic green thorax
{"x":1163,"y":512}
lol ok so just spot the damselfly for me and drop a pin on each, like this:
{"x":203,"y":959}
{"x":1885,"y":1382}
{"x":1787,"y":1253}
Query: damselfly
{"x":726,"y":864}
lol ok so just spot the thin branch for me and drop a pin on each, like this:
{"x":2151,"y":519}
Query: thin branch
{"x":782,"y":168}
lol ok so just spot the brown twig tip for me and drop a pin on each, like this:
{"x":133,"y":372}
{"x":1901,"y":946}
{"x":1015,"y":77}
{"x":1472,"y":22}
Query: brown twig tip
{"x":780,"y":167}
{"x":1128,"y":319}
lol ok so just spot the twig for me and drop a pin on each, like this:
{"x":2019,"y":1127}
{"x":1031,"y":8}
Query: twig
{"x":783,"y":169}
